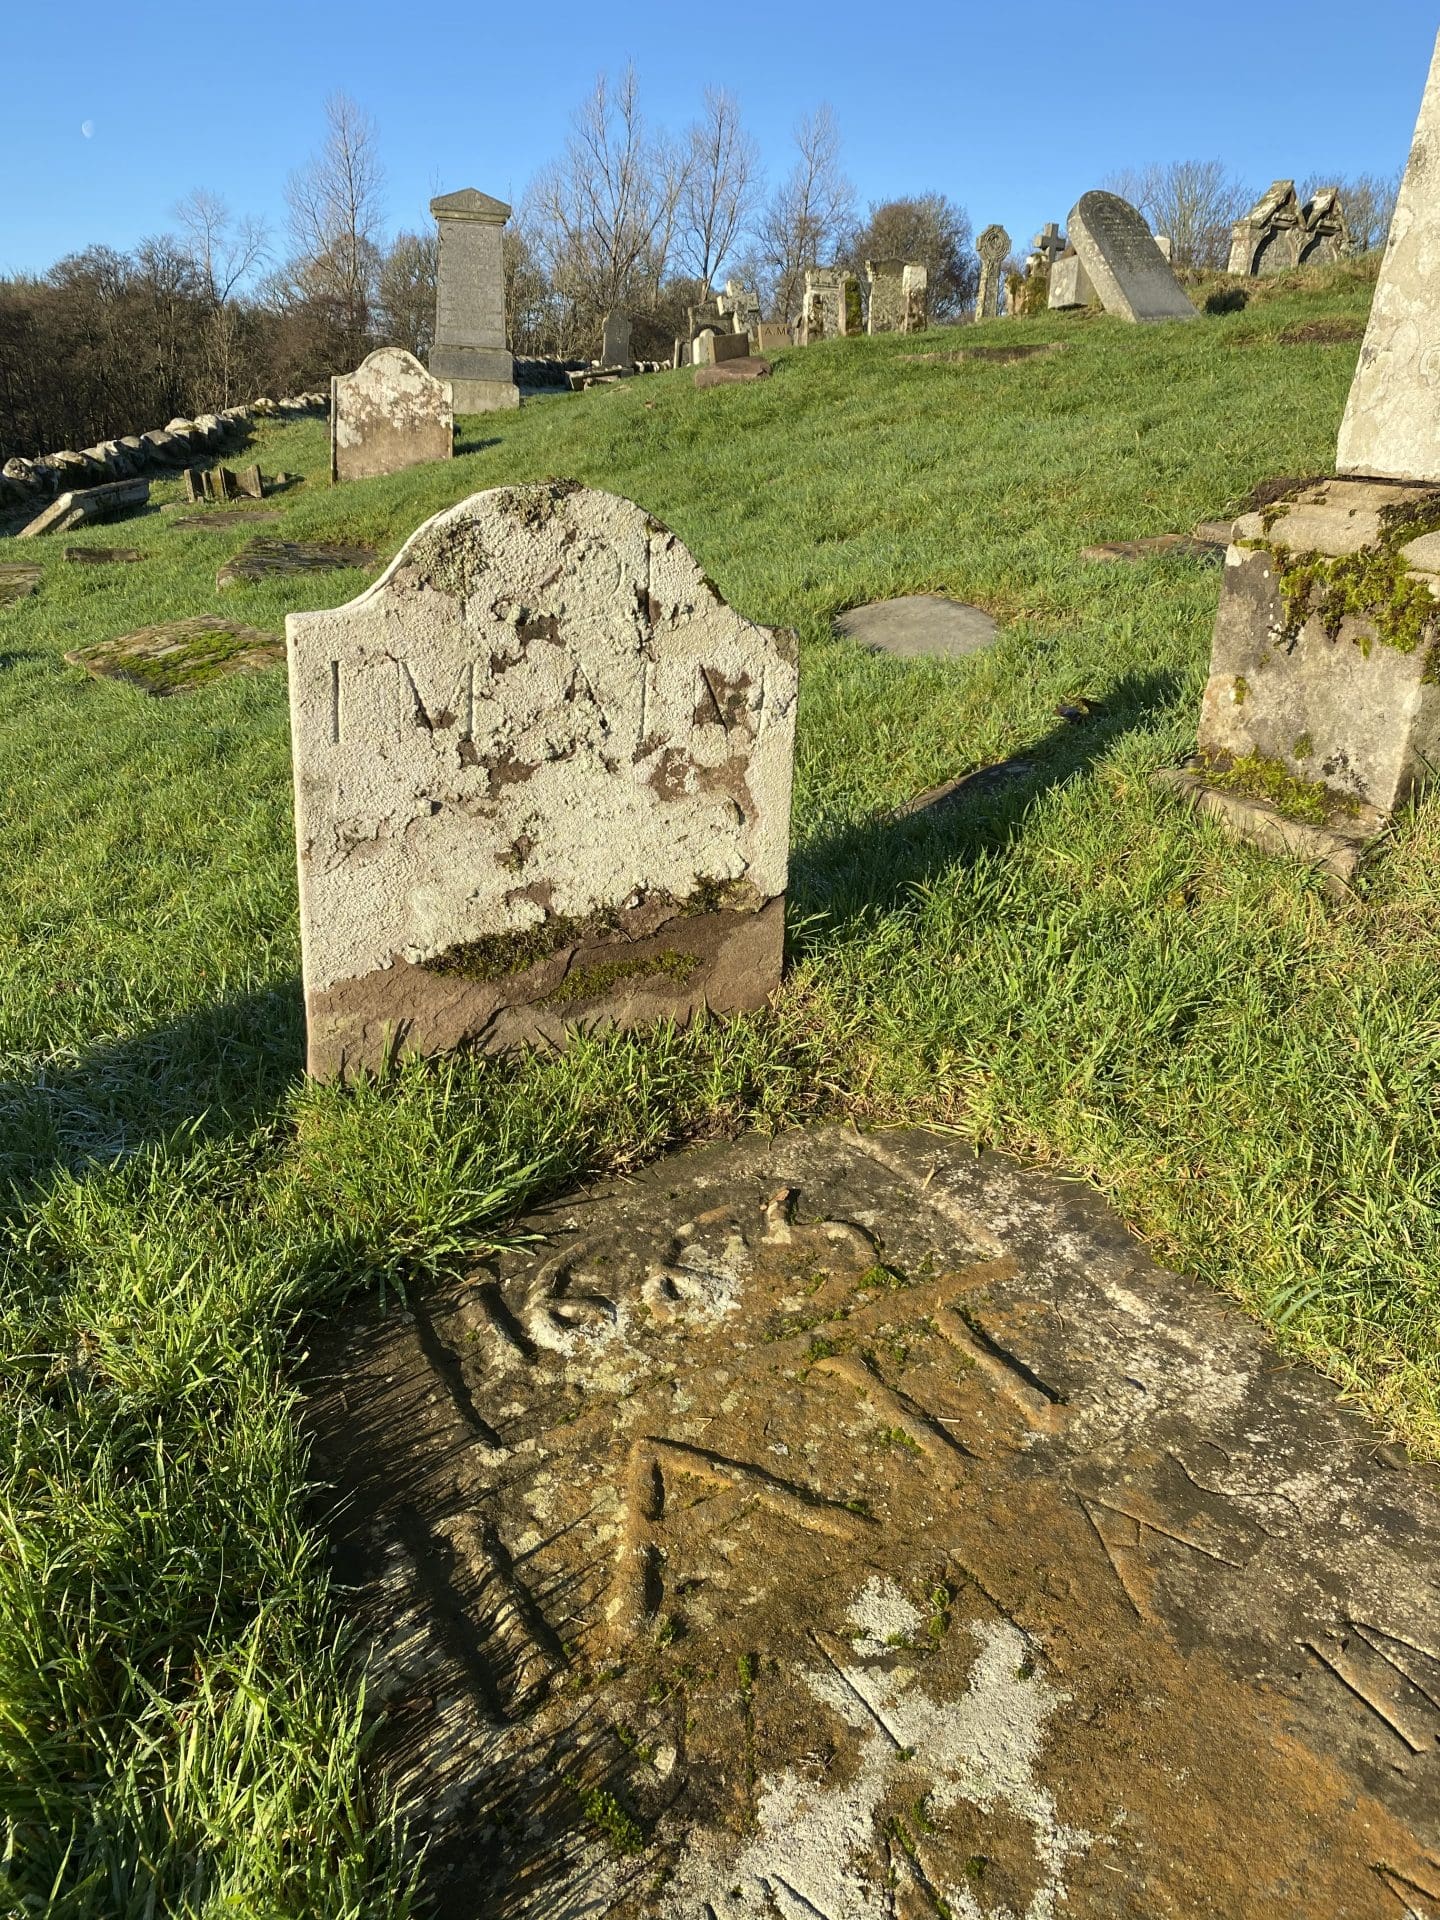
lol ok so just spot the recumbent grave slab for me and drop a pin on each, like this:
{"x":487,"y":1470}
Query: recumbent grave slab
{"x":180,"y":656}
{"x":388,"y":415}
{"x":851,"y":1525}
{"x":542,"y":780}
{"x":920,"y":626}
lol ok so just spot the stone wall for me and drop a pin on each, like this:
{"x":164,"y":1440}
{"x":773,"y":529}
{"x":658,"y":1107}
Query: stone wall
{"x":28,"y":483}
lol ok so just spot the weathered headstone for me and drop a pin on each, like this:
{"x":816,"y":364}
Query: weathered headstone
{"x":1392,"y":418}
{"x":711,"y":348}
{"x":833,"y":308}
{"x":470,"y":350}
{"x":851,"y":1525}
{"x":180,"y":656}
{"x":542,"y":778}
{"x":1127,"y":270}
{"x":993,"y":246}
{"x":915,"y":296}
{"x":772,"y":334}
{"x":1279,"y":233}
{"x":387,"y":415}
{"x":887,"y":296}
{"x":18,"y":582}
{"x":615,"y":344}
{"x":1069,"y":283}
{"x":71,"y":510}
{"x":741,"y":306}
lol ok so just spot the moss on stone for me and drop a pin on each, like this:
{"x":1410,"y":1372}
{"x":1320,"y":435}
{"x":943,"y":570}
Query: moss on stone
{"x":1262,"y":778}
{"x":1376,"y":584}
{"x":592,"y":983}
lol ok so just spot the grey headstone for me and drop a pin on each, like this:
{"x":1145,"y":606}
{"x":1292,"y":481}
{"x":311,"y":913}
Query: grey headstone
{"x":1392,"y":418}
{"x":993,"y":246}
{"x":1069,"y":283}
{"x":387,"y":415}
{"x":1127,"y":270}
{"x":542,"y":778}
{"x":615,"y":346}
{"x":470,"y":350}
{"x":920,"y":625}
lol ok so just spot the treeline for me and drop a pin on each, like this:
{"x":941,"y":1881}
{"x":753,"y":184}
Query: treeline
{"x":625,"y":217}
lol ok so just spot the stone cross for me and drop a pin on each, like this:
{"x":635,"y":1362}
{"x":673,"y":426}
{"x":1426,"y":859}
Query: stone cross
{"x":386,"y":415}
{"x":993,"y":246}
{"x":1049,"y":243}
{"x":470,"y":350}
{"x":542,"y":778}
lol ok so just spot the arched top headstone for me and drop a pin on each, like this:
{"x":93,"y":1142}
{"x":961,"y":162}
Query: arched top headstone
{"x":1131,"y":276}
{"x":388,"y":414}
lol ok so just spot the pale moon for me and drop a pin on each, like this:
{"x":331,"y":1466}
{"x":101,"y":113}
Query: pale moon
{"x":87,"y":127}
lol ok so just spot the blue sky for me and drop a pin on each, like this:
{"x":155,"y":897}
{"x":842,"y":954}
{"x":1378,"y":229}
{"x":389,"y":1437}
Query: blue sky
{"x":1012,"y":109}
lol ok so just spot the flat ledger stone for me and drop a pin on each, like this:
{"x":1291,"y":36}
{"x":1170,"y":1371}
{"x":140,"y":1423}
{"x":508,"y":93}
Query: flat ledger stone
{"x":223,"y":520}
{"x":920,"y":625}
{"x":1151,"y":544}
{"x":181,"y":655}
{"x":854,"y":1526}
{"x":18,"y":583}
{"x":103,"y":556}
{"x":263,"y":559}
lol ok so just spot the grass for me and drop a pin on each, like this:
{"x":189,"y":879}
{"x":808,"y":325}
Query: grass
{"x":1069,"y":966}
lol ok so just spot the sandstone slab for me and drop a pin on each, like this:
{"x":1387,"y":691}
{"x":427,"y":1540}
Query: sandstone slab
{"x":387,"y":415}
{"x":18,"y":583}
{"x":542,"y":780}
{"x":856,"y":1526}
{"x":920,"y":626}
{"x":1131,"y":277}
{"x":772,"y":334}
{"x":181,"y":655}
{"x":1392,"y":417}
{"x":265,"y":559}
{"x":71,"y":510}
{"x":729,"y":373}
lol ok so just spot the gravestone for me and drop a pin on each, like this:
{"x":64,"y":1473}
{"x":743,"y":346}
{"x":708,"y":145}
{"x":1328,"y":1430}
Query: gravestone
{"x":1392,"y":418}
{"x":387,"y":415}
{"x":993,"y":246}
{"x":887,"y":296}
{"x":470,"y":350}
{"x":1127,"y":270}
{"x":730,"y":373}
{"x":542,"y":779}
{"x":1279,"y":234}
{"x":615,"y":346}
{"x":853,"y":1525}
{"x":741,"y":306}
{"x":1048,"y":245}
{"x":771,"y":334}
{"x":103,"y":556}
{"x":70,"y":510}
{"x":915,"y":296}
{"x":1069,"y":283}
{"x":920,"y":626}
{"x":180,"y":656}
{"x":711,"y":348}
{"x":18,"y":582}
{"x":833,"y":307}
{"x":266,"y":559}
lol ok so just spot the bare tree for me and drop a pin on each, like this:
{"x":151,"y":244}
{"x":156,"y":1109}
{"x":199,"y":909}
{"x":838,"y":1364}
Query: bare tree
{"x":928,"y":227}
{"x":720,"y":188}
{"x":1196,"y":202}
{"x":602,"y":216}
{"x":406,"y":292}
{"x":808,"y":215}
{"x":1368,"y":202}
{"x":335,"y":220}
{"x":225,"y":253}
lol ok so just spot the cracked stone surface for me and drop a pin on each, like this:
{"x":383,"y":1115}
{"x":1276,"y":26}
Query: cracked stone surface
{"x":263,"y":559}
{"x":542,"y":781}
{"x":850,"y":1525}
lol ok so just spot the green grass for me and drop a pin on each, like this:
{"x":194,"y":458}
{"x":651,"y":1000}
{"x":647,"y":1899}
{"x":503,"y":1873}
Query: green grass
{"x":1070,"y":967}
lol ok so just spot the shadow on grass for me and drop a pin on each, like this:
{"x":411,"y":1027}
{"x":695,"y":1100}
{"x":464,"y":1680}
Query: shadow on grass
{"x":472,"y":443}
{"x":220,"y":1071}
{"x":868,"y":868}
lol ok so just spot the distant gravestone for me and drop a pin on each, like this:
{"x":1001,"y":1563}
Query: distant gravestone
{"x":1118,"y":252}
{"x":993,"y":246}
{"x":264,"y":559}
{"x":387,"y":415}
{"x":771,"y":334}
{"x":542,"y":778}
{"x":712,"y":348}
{"x":470,"y":350}
{"x":741,"y":306}
{"x":920,"y":626}
{"x":1392,"y":418}
{"x":915,"y":294}
{"x":615,"y":346}
{"x":1069,"y":283}
{"x":1279,"y":233}
{"x":887,"y":295}
{"x":833,"y":307}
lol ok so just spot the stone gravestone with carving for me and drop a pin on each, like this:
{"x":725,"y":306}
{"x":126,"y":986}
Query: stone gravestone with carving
{"x":542,"y":778}
{"x":1392,"y":418}
{"x":993,"y":246}
{"x":470,"y":350}
{"x":846,"y":1525}
{"x":1278,"y":233}
{"x":615,"y":347}
{"x":1321,"y":714}
{"x":387,"y":415}
{"x":1131,"y":276}
{"x":915,"y":296}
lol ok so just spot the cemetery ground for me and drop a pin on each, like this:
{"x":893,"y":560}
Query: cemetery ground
{"x":1062,"y":962}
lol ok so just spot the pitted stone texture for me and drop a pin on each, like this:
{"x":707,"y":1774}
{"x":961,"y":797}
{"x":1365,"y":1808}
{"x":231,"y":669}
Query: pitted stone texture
{"x":542,"y":779}
{"x":1131,"y":277}
{"x":1279,"y":233}
{"x":1392,"y":418}
{"x":387,"y":415}
{"x":849,"y":1525}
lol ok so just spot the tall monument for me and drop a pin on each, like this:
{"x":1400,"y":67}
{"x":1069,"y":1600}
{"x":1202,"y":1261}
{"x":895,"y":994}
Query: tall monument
{"x":470,"y":350}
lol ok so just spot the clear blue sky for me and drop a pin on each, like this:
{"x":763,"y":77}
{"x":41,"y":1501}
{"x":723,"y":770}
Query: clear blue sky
{"x":1014,"y":108}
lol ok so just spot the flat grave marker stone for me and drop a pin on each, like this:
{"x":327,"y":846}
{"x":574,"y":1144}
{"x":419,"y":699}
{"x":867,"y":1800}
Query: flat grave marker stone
{"x":265,"y":559}
{"x":103,"y":556}
{"x":18,"y":583}
{"x":222,"y":519}
{"x":847,"y":1524}
{"x":180,"y":656}
{"x":920,"y":626}
{"x":1130,"y":275}
{"x":542,"y":781}
{"x":70,"y":510}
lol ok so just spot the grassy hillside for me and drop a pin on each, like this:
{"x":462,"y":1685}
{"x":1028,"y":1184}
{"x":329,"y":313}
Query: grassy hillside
{"x":1068,"y":967}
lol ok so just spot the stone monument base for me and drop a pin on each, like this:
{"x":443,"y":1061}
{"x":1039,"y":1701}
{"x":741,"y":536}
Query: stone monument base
{"x":481,"y":378}
{"x":1336,"y":852}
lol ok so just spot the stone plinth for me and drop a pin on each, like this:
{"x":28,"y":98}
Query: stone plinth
{"x":1069,"y":283}
{"x":1392,"y":418}
{"x":470,"y":350}
{"x":1132,"y":277}
{"x":387,"y":415}
{"x":542,"y":779}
